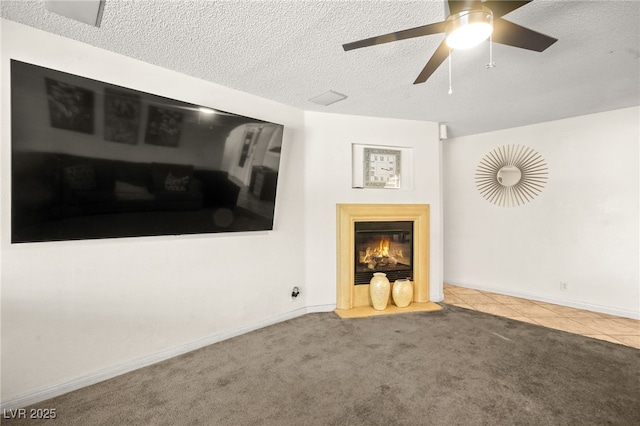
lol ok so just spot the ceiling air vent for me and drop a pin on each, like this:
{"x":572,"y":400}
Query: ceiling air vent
{"x":328,"y":98}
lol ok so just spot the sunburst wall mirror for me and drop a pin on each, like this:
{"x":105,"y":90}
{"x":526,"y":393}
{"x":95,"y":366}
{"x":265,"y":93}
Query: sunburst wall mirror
{"x":511,"y":175}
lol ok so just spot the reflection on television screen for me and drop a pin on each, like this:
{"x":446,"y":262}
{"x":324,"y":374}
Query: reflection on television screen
{"x":95,"y":160}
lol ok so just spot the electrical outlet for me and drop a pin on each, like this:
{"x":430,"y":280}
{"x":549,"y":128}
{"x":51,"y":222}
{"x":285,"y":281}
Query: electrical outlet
{"x":564,"y":286}
{"x":295,"y":292}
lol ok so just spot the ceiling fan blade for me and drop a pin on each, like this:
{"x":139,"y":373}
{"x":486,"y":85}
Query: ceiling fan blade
{"x":438,"y":58}
{"x":501,"y":8}
{"x":505,"y":32}
{"x":423,"y":30}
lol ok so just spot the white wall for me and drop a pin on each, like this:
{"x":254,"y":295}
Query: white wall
{"x":583,"y":229}
{"x":77,"y":309}
{"x":328,"y":139}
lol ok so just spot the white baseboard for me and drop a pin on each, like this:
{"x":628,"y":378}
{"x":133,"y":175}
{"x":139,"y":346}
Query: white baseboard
{"x":52,"y":391}
{"x":439,"y":297}
{"x":555,"y":300}
{"x":320,"y":308}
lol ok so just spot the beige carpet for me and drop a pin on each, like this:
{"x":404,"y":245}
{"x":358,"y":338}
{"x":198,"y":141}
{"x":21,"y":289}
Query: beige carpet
{"x":449,"y":367}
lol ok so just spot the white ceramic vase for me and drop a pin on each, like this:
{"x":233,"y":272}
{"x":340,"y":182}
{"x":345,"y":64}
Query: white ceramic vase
{"x":379,"y":288}
{"x":402,"y":293}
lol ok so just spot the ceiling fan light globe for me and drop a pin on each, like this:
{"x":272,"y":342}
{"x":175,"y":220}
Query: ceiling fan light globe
{"x":469,"y":28}
{"x":469,"y":36}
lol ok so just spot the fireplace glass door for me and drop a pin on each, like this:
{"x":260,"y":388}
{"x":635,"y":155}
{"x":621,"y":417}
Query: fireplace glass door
{"x":383,"y":247}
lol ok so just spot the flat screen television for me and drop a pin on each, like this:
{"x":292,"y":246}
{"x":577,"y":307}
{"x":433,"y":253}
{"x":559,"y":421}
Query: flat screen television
{"x":94,"y":160}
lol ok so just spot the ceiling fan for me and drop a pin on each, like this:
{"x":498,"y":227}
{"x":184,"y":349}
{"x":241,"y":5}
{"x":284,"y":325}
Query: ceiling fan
{"x":468,"y":23}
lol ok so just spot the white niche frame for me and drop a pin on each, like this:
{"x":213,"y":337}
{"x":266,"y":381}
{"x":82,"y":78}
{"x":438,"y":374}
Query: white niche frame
{"x":357,"y":166}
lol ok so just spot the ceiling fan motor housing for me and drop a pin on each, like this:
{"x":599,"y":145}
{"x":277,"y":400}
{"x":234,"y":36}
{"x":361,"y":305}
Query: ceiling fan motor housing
{"x":469,"y":27}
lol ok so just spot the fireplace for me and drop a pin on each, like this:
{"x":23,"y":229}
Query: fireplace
{"x":398,"y":231}
{"x":385,"y":246}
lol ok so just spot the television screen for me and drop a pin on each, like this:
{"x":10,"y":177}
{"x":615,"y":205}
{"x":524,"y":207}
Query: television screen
{"x":94,"y":160}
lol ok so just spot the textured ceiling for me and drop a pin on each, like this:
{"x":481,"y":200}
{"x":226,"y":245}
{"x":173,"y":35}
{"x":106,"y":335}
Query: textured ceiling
{"x":291,"y":51}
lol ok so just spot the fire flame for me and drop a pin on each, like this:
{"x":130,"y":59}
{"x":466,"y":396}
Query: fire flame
{"x":383,"y":248}
{"x":382,"y":254}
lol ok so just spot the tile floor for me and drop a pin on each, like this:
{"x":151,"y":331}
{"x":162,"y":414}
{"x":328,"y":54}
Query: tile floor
{"x":624,"y":331}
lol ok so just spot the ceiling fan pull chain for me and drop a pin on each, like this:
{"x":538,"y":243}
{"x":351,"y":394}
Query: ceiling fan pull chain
{"x":450,"y":87}
{"x":491,"y":64}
